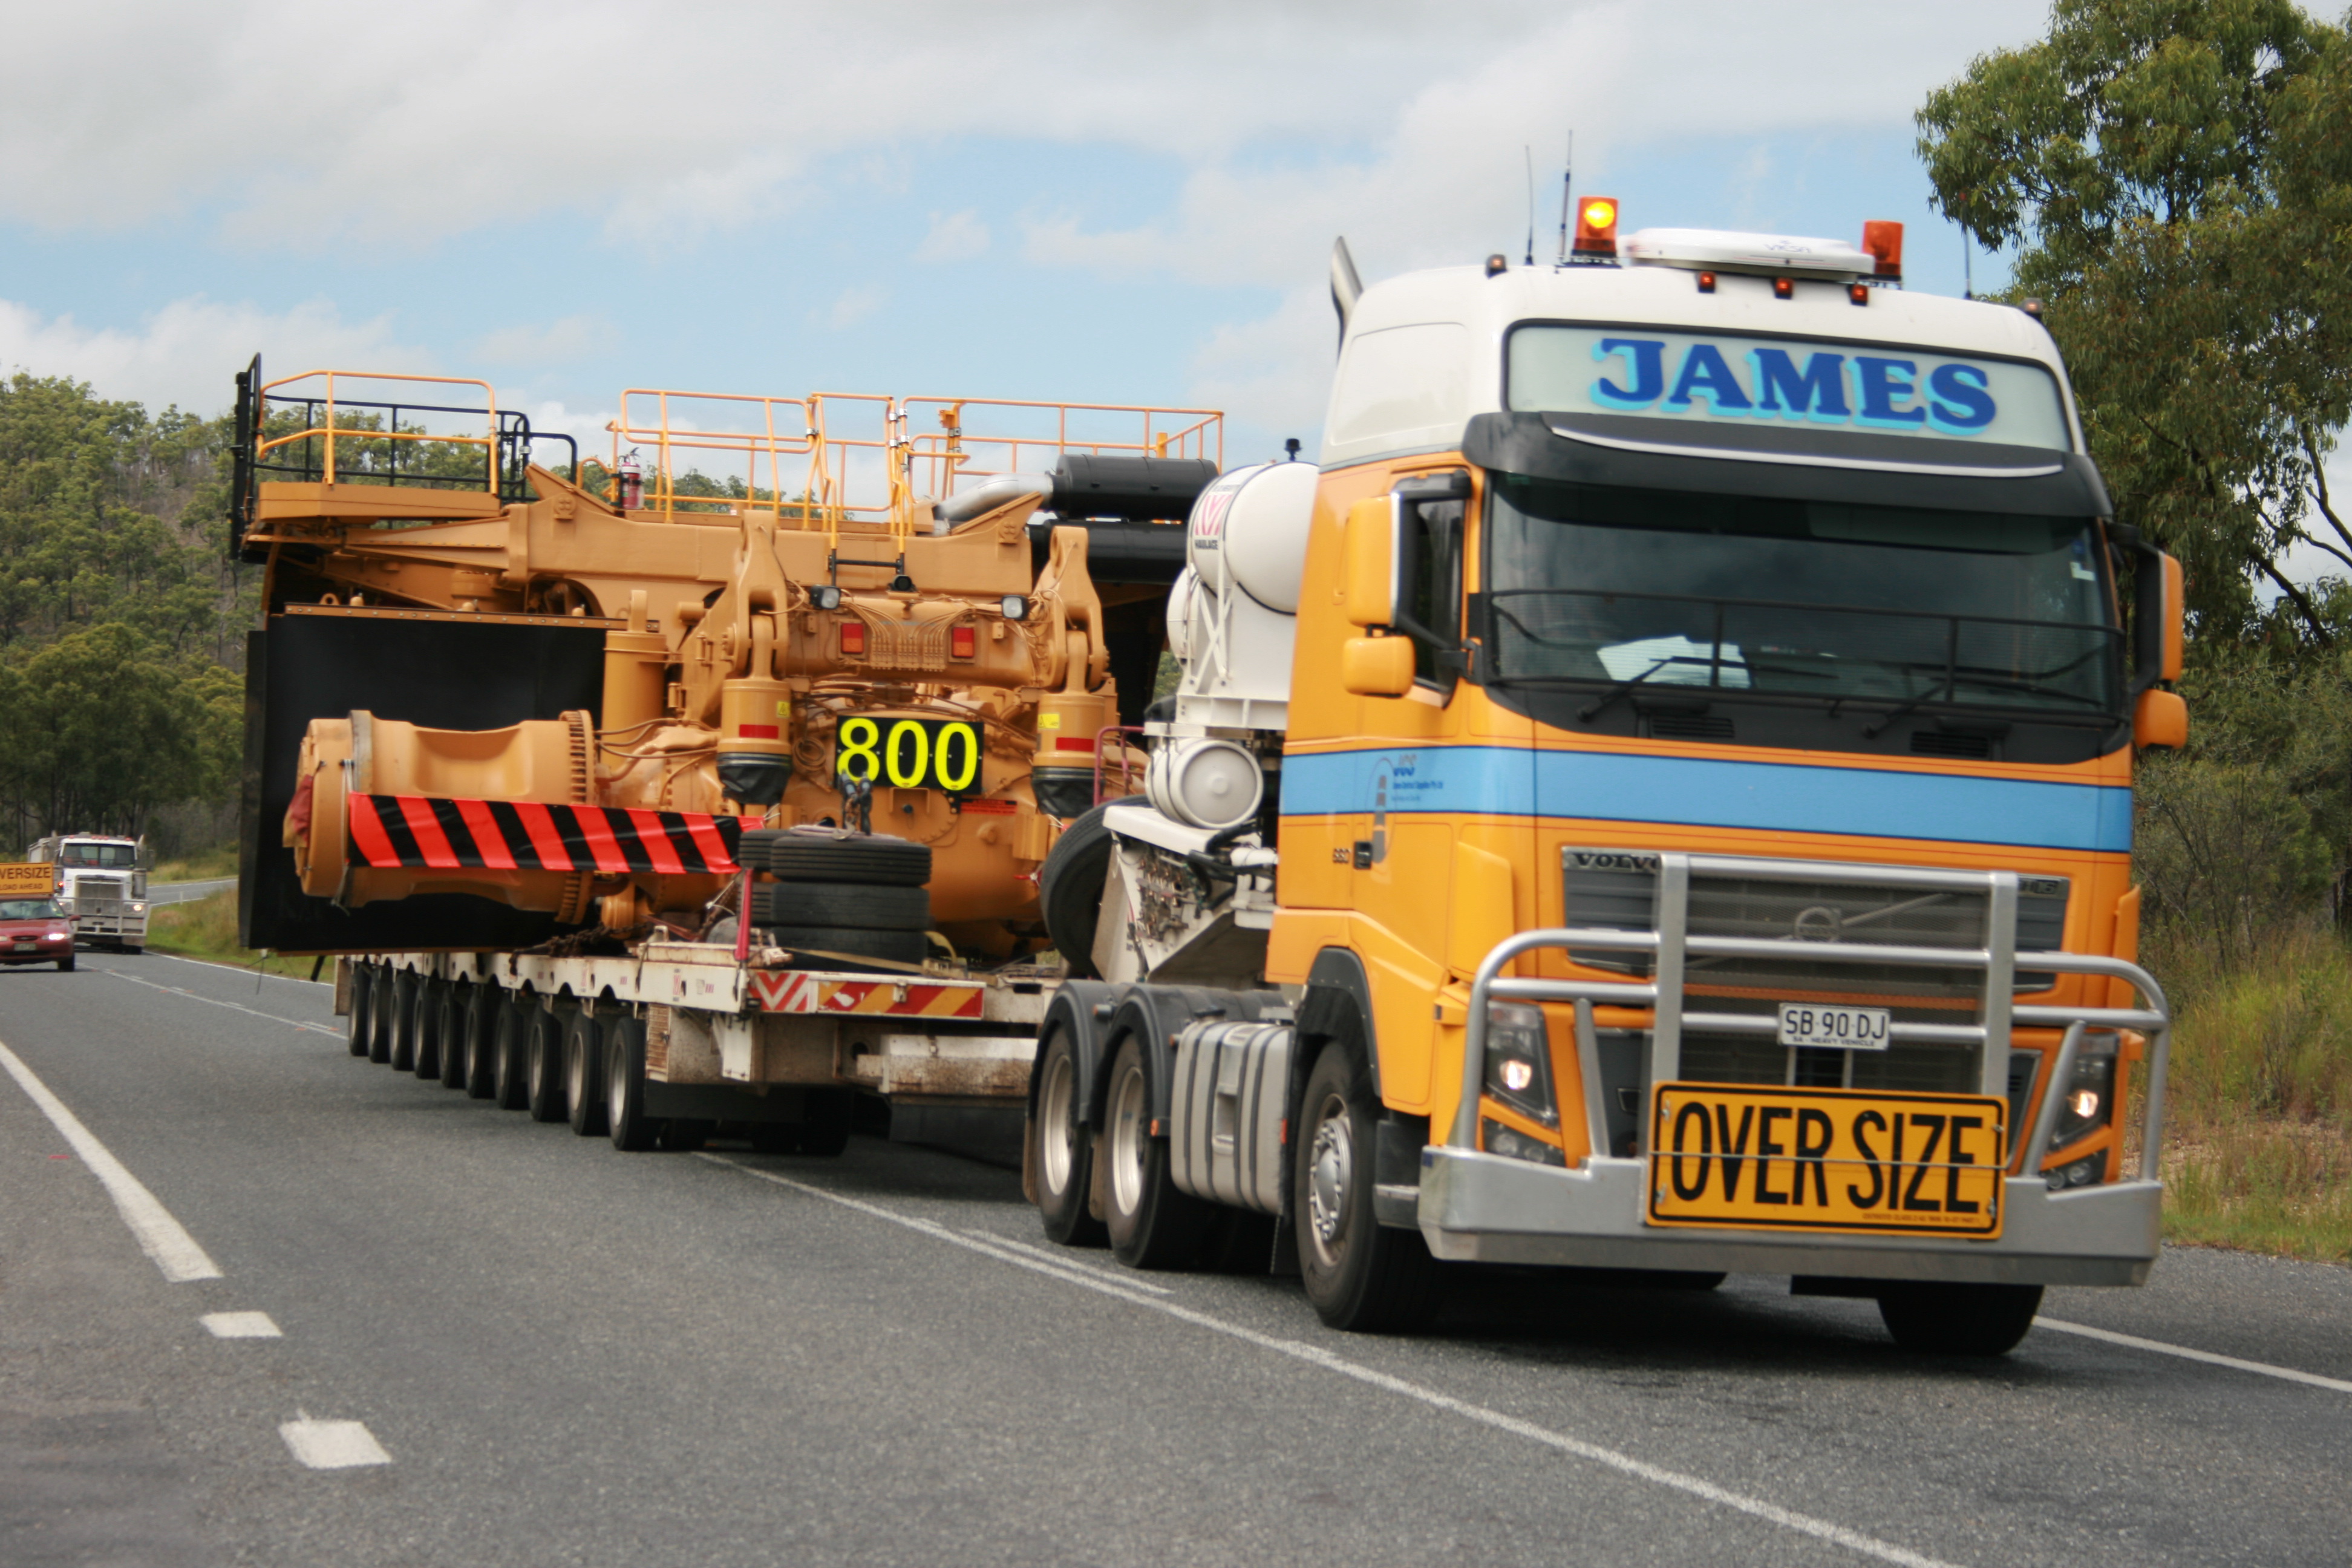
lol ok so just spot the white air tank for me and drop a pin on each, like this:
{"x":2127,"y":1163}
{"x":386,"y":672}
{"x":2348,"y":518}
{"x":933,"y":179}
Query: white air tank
{"x":1232,"y":611}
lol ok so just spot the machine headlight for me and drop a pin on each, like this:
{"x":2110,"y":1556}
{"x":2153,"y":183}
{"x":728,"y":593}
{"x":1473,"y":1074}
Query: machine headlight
{"x":1518,"y":1060}
{"x":1014,"y":607}
{"x":825,"y":598}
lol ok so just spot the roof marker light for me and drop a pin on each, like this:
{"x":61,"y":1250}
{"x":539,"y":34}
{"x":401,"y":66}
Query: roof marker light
{"x":1707,"y":282}
{"x":1858,"y":292}
{"x":1784,"y":287}
{"x":1497,"y":263}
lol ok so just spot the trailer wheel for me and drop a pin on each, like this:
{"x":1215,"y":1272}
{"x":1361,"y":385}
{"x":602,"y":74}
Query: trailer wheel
{"x":457,"y":1006}
{"x":512,"y":1068}
{"x":583,"y":1074}
{"x":625,"y":1086}
{"x":1959,"y":1319}
{"x":824,"y":1129}
{"x":489,"y":1004}
{"x":685,"y":1134}
{"x":543,"y":1067}
{"x":876,"y":862}
{"x":362,"y":1014}
{"x":1062,"y":1148}
{"x":432,"y":1006}
{"x":380,"y":1025}
{"x":1152,"y":1224}
{"x":405,"y":993}
{"x":1359,"y":1275}
{"x":1070,"y":887}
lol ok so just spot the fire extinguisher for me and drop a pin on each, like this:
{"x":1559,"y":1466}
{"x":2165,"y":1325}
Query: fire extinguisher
{"x":633,"y":483}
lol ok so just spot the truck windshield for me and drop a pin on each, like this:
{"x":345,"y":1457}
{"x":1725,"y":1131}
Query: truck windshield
{"x":123,"y":855}
{"x":1880,"y":605}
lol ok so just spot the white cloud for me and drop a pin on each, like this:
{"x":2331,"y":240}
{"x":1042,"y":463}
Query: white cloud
{"x":572,"y":338}
{"x":186,"y":352}
{"x":957,"y":237}
{"x":1272,"y":375}
{"x":854,"y":306}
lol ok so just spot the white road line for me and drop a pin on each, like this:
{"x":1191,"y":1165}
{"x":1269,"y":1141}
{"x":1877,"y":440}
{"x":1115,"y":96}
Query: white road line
{"x":332,"y":1445}
{"x":1315,"y":1355}
{"x":160,"y":1236}
{"x":241,"y":1326}
{"x":235,"y":968}
{"x":216,"y":1002}
{"x":1069,"y":1264}
{"x":2134,"y":1342}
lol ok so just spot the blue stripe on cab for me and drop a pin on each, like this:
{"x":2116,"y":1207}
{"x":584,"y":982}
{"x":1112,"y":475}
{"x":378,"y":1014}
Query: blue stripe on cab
{"x":1501,"y":781}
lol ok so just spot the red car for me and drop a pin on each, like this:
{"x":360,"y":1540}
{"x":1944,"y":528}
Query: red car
{"x":36,"y":931}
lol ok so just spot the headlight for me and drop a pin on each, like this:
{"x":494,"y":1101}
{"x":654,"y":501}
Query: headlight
{"x":1014,"y":608}
{"x":2087,"y":1098}
{"x":137,"y":909}
{"x":1518,"y":1060}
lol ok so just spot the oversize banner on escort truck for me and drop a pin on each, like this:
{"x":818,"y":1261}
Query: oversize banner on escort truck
{"x":22,"y":880}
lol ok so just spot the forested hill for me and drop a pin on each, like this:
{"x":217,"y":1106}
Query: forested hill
{"x":121,"y":619}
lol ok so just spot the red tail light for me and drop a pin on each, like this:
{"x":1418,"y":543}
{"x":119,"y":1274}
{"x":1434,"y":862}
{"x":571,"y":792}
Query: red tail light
{"x":853,"y":636}
{"x":963,"y":642}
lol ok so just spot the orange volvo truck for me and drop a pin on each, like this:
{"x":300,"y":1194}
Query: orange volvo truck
{"x":708,"y":787}
{"x":1656,"y":797}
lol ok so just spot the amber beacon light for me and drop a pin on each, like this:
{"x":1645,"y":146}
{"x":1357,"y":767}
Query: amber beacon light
{"x":1596,"y":230}
{"x":1882,"y":241}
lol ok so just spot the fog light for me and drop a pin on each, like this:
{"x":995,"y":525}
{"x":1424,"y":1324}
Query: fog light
{"x":2081,"y":1173}
{"x":1498,"y":1138}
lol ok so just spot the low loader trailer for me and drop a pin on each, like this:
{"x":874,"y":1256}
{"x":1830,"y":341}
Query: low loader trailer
{"x":1656,"y":797}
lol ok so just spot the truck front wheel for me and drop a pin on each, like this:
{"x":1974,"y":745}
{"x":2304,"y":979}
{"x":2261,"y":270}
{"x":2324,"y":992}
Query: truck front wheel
{"x":1152,"y":1224}
{"x":1959,"y":1319}
{"x":1359,"y":1275}
{"x":1062,"y":1148}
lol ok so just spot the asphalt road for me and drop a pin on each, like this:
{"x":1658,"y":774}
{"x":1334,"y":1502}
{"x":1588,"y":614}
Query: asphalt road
{"x":564,"y":1355}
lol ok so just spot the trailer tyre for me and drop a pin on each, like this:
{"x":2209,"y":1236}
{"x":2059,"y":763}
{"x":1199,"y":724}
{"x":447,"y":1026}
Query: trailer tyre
{"x":683,"y":1135}
{"x":456,"y":1005}
{"x":488,"y":1005}
{"x":380,"y":1012}
{"x":1152,"y":1224}
{"x":583,"y":1075}
{"x":1070,"y":887}
{"x":406,"y":990}
{"x":543,"y":1068}
{"x":873,"y":862}
{"x":1959,"y":1319}
{"x":1360,"y":1276}
{"x":362,"y":1014}
{"x":512,"y":1066}
{"x":1062,"y":1149}
{"x":895,"y":946}
{"x":432,"y":1011}
{"x":625,"y":1120}
{"x":824,"y":1129}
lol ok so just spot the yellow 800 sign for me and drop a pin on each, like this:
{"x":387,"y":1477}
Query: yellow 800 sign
{"x":911,"y":753}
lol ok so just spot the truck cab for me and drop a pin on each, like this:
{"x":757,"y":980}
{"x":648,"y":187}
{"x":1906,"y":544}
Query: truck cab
{"x":101,"y":886}
{"x":1701,"y":811}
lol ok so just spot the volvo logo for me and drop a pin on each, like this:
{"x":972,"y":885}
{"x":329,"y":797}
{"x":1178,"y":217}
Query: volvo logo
{"x":1818,"y":923}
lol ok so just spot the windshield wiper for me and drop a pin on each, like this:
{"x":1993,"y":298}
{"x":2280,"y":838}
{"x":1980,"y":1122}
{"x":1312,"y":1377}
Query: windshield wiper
{"x":1622,"y":687}
{"x":1872,"y":731}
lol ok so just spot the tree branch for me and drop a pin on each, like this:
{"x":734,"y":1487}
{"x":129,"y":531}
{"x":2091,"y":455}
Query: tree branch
{"x":2302,"y":603}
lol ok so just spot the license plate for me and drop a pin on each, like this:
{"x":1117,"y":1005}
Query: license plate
{"x":1851,"y":1029}
{"x":1827,"y":1160}
{"x":24,"y":947}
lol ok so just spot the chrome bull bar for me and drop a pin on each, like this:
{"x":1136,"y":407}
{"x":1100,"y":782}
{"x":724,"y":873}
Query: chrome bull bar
{"x":1662,"y":995}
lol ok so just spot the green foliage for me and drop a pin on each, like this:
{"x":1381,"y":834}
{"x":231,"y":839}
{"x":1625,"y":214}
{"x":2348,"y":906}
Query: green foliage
{"x":2178,"y":176}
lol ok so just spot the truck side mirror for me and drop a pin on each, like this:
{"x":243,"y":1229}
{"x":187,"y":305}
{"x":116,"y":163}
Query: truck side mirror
{"x":1376,"y":666}
{"x":1368,"y":563}
{"x":2160,"y":719}
{"x":2175,"y":619}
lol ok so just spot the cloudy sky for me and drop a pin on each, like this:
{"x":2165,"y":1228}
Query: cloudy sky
{"x":1102,"y":203}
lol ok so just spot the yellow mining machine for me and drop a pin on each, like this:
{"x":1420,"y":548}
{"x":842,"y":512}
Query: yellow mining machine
{"x":496,"y":700}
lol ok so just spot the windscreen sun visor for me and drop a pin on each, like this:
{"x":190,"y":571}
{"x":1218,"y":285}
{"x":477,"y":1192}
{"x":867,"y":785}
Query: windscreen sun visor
{"x":1792,"y":463}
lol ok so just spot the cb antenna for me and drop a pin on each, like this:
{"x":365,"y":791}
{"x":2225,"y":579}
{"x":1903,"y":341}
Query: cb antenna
{"x":1567,"y":183}
{"x":1531,"y":153}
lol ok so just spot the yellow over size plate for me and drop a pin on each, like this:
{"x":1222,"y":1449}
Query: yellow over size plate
{"x":1859,"y":1160}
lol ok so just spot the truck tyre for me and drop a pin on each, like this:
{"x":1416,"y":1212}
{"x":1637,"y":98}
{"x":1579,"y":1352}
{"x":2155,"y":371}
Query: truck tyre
{"x":362,"y":1017}
{"x":1070,"y":887}
{"x":684,"y":1135}
{"x":456,"y":1003}
{"x":824,"y":1127}
{"x":583,"y":1074}
{"x":432,"y":1007}
{"x":1152,"y":1224}
{"x":406,"y":990}
{"x":1959,"y":1319}
{"x":624,"y":1085}
{"x":1062,"y":1147}
{"x":513,"y":1053}
{"x":875,"y":862}
{"x":543,"y":1067}
{"x":489,"y":1004}
{"x":1360,"y":1276}
{"x":64,"y":964}
{"x":849,"y":904}
{"x":894,"y":946}
{"x":384,"y":993}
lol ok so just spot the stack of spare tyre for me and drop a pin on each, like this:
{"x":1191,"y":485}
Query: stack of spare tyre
{"x":850,"y":894}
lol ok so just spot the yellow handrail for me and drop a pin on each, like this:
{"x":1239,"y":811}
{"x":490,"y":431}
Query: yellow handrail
{"x":489,"y":400}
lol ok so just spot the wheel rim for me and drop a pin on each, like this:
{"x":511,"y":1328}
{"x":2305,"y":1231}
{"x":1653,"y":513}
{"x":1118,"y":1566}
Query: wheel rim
{"x":1127,"y":1133}
{"x":1057,"y":1141}
{"x":1331,"y":1164}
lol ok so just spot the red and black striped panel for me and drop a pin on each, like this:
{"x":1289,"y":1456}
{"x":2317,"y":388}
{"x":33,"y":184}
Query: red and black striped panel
{"x":396,"y":830}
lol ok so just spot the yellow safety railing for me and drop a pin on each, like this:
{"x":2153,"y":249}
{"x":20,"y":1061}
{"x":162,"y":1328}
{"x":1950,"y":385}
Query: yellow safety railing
{"x":327,"y":399}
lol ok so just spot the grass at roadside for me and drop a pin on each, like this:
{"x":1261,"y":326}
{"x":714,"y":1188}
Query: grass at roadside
{"x":206,"y":928}
{"x":2259,"y":1143}
{"x":201,"y":866}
